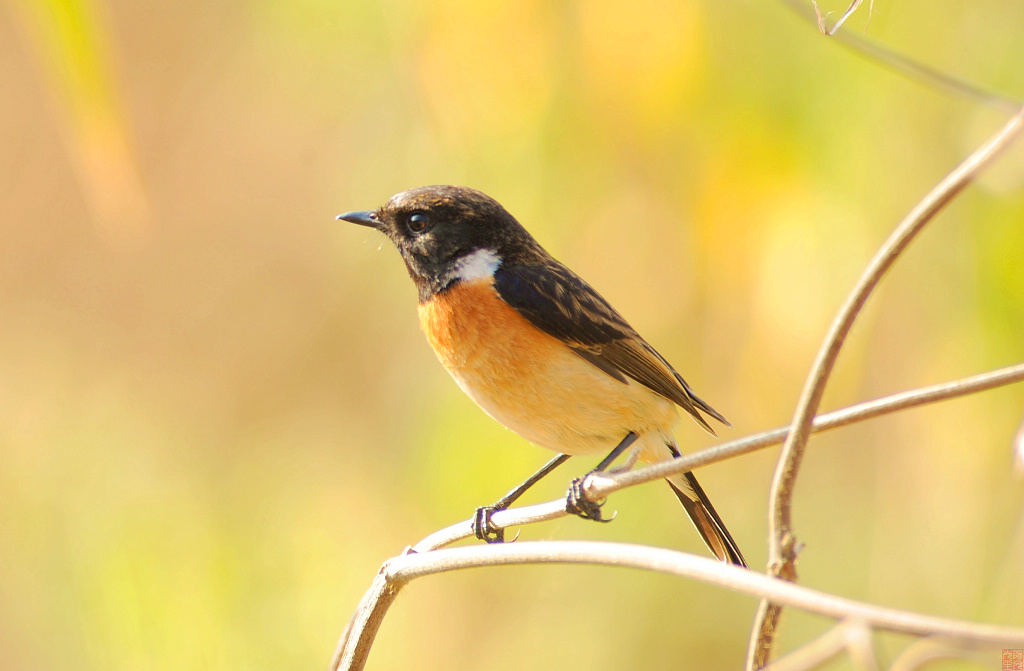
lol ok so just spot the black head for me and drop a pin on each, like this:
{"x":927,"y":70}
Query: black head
{"x":436,"y":227}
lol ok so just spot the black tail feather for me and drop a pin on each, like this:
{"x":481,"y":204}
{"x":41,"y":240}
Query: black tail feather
{"x":709,"y":525}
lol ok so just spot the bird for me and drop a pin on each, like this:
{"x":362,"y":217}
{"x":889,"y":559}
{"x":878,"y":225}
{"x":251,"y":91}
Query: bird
{"x":536,"y":347}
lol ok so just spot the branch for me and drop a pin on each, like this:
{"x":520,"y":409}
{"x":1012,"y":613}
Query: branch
{"x":352,"y":652}
{"x":604,"y":485}
{"x":355,"y":643}
{"x":925,"y":650}
{"x":1018,"y":448}
{"x":851,"y":636}
{"x":398,"y":571}
{"x":598,"y":487}
{"x":904,"y":65}
{"x":847,"y":14}
{"x":782,"y":548}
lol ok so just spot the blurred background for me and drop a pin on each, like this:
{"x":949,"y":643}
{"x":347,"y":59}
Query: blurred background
{"x":218,"y":416}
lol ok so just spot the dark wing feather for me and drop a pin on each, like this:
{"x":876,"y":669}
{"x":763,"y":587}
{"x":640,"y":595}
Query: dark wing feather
{"x":558,"y":302}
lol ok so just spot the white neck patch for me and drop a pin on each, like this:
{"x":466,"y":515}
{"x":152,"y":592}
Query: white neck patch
{"x":479,"y":265}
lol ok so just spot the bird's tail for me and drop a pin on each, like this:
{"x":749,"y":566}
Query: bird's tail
{"x":705,"y":518}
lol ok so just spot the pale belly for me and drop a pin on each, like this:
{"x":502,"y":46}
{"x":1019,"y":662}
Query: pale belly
{"x":534,"y":385}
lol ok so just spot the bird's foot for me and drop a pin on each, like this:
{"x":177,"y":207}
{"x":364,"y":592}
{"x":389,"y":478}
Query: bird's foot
{"x":484,"y":529}
{"x":577,"y":503}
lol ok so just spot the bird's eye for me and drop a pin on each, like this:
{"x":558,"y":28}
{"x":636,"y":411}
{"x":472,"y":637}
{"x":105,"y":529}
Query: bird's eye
{"x":418,"y":222}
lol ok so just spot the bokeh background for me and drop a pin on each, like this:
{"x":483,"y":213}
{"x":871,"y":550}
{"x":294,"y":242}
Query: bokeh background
{"x":218,"y":417}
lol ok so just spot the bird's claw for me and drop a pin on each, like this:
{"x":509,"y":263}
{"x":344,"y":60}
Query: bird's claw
{"x":485,"y":530}
{"x":578,"y":504}
{"x":482,"y":527}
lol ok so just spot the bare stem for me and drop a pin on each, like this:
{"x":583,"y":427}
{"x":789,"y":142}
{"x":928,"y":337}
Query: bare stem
{"x":710,"y":571}
{"x":925,"y":650}
{"x":851,"y":636}
{"x":356,"y":641}
{"x":839,"y":24}
{"x":601,"y":486}
{"x":604,"y":485}
{"x":782,"y":541}
{"x":904,"y":65}
{"x":400,"y":570}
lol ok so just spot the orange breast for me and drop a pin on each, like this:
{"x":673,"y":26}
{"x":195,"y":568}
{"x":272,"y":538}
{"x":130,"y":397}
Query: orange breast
{"x":530,"y":381}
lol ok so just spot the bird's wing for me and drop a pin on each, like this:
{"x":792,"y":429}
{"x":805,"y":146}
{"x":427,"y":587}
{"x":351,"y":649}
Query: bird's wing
{"x":560,"y":303}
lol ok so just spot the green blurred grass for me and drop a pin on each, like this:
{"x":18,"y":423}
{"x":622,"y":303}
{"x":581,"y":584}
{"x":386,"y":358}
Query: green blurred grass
{"x":217,"y":416}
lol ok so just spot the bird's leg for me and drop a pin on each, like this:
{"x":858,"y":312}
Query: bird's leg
{"x":482,"y":527}
{"x":578,"y":504}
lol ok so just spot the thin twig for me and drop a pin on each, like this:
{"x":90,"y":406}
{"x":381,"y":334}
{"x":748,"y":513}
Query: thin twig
{"x":925,"y":650}
{"x":851,"y":636}
{"x":401,"y":570}
{"x":604,"y":485}
{"x":909,"y":68}
{"x":1018,"y":448}
{"x":817,"y":652}
{"x":357,"y":639}
{"x":599,"y":486}
{"x":500,"y":519}
{"x":849,"y":11}
{"x":354,"y":646}
{"x":861,"y":646}
{"x":710,"y":571}
{"x":782,"y":541}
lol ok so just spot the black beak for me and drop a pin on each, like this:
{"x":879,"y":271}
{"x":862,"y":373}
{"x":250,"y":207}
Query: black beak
{"x":365,"y":218}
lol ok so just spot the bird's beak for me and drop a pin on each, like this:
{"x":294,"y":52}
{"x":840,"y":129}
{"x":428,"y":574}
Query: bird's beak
{"x":365,"y":218}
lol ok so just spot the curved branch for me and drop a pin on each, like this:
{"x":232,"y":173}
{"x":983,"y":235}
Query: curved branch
{"x":352,"y":652}
{"x":400,"y":570}
{"x":906,"y":66}
{"x":604,"y":485}
{"x":600,"y":486}
{"x":354,"y":646}
{"x":710,"y":571}
{"x":820,"y":650}
{"x":925,"y":650}
{"x":355,"y":643}
{"x":782,"y":542}
{"x":851,"y":636}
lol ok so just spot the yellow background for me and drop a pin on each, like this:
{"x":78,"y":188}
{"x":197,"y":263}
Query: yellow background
{"x":217,"y":416}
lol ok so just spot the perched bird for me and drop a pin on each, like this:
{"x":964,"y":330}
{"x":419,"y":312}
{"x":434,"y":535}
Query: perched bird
{"x":534,"y":345}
